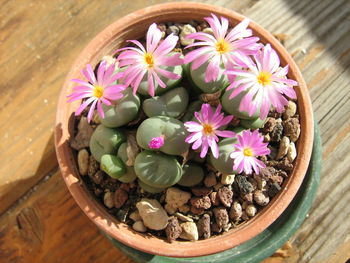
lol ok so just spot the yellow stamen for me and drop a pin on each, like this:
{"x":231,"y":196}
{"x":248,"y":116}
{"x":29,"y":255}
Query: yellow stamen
{"x":248,"y":152}
{"x":208,"y":129}
{"x":222,"y":46}
{"x":149,"y":60}
{"x":98,"y":91}
{"x":264,"y":78}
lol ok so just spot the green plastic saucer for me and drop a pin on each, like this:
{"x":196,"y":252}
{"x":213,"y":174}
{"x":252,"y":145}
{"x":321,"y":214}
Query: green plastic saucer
{"x":266,"y":243}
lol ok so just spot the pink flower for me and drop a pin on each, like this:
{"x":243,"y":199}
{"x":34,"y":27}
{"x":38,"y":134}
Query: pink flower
{"x":265,"y":81}
{"x":224,"y":47}
{"x":97,"y":90}
{"x":141,"y":61}
{"x":250,"y":144}
{"x":205,"y":132}
{"x":156,"y":142}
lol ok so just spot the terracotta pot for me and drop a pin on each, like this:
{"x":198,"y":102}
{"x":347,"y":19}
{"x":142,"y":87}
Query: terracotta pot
{"x":133,"y":26}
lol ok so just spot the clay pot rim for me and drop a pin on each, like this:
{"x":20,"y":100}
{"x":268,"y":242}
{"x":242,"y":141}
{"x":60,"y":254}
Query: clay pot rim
{"x":120,"y":231}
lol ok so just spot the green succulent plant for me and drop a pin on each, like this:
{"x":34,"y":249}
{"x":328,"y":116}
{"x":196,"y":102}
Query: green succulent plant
{"x":192,"y":107}
{"x":150,"y":189}
{"x":172,"y":129}
{"x":172,"y":103}
{"x":231,"y":106}
{"x":130,"y":174}
{"x":112,"y":165}
{"x":253,"y":124}
{"x":123,"y":111}
{"x":157,"y":169}
{"x":105,"y":140}
{"x":224,"y":163}
{"x":192,"y":174}
{"x":198,"y":78}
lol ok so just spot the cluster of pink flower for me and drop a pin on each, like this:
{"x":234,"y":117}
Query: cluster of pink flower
{"x":251,"y":67}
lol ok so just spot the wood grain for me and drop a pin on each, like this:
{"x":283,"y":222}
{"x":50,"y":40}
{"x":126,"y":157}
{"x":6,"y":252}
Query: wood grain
{"x":49,"y":227}
{"x":39,"y":41}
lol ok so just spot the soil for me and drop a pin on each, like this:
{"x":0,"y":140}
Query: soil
{"x":214,"y":207}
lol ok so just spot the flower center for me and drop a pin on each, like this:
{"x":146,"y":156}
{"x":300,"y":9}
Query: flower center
{"x":222,"y":46}
{"x":248,"y":152}
{"x":264,"y":78}
{"x":208,"y":129}
{"x":98,"y":91}
{"x":149,"y":60}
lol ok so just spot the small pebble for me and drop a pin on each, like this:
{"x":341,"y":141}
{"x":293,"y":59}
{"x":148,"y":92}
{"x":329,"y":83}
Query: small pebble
{"x":173,"y":229}
{"x":210,"y":180}
{"x":135,"y":216}
{"x":197,"y":211}
{"x":227,"y":227}
{"x":152,"y":213}
{"x":203,"y":226}
{"x":290,"y":110}
{"x":186,"y":30}
{"x":139,"y":227}
{"x":274,"y":189}
{"x":221,"y":216}
{"x":218,"y":186}
{"x":251,"y":210}
{"x":108,"y":199}
{"x":236,"y":211}
{"x":214,"y":197}
{"x":283,"y":149}
{"x":83,"y":161}
{"x":292,"y":152}
{"x":184,"y":209}
{"x":225,"y":195}
{"x":82,"y":139}
{"x":227,"y":179}
{"x":277,"y":132}
{"x":176,"y":197}
{"x":120,"y":197}
{"x":269,"y":125}
{"x":244,"y":217}
{"x":97,"y":177}
{"x":189,"y":231}
{"x":215,"y":228}
{"x":94,"y":166}
{"x":247,"y":197}
{"x":170,"y":209}
{"x":261,"y":183}
{"x":173,"y":30}
{"x":260,"y":198}
{"x":208,"y":30}
{"x":201,"y":191}
{"x":292,"y":128}
{"x":244,"y":185}
{"x":201,"y":202}
{"x":183,"y":217}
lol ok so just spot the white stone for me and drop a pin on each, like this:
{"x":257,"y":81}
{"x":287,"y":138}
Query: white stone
{"x":189,"y":231}
{"x":183,"y":217}
{"x":108,"y":199}
{"x":135,"y":216}
{"x":251,"y":210}
{"x":152,"y":213}
{"x":284,"y":145}
{"x":290,"y":110}
{"x":292,"y":152}
{"x":139,"y":227}
{"x":208,"y":30}
{"x":227,"y":178}
{"x":83,"y":161}
{"x":176,"y":198}
{"x":186,"y":30}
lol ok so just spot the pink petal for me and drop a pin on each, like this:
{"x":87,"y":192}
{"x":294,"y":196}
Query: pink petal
{"x":212,"y":72}
{"x":152,"y":38}
{"x":91,"y":111}
{"x":84,"y":105}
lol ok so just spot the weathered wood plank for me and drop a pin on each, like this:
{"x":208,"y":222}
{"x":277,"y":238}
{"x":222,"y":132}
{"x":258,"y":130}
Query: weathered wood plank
{"x":48,"y":226}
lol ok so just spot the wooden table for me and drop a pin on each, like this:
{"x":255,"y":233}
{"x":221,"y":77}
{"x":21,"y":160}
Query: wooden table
{"x":39,"y":40}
